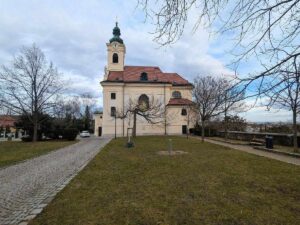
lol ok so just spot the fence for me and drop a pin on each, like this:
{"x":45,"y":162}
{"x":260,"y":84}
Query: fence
{"x":278,"y":138}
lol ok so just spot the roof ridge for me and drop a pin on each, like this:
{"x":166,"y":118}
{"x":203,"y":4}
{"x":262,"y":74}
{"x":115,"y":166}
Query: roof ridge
{"x":141,"y":66}
{"x":133,"y":73}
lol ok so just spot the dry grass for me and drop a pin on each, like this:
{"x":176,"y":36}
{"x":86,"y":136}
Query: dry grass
{"x":230,"y":141}
{"x":284,"y":149}
{"x":211,"y":185}
{"x":12,"y":152}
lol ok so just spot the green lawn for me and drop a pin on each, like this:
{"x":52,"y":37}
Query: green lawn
{"x":211,"y":185}
{"x":12,"y":152}
{"x":285,"y":149}
{"x":230,"y":141}
{"x":240,"y":142}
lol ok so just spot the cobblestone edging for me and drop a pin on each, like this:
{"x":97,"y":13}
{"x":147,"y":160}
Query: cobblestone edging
{"x":28,"y":187}
{"x":48,"y":199}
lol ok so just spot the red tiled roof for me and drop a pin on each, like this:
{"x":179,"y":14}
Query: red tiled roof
{"x":7,"y":121}
{"x":180,"y":101}
{"x":133,"y":73}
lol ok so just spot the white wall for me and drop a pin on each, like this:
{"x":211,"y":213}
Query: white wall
{"x":125,"y":92}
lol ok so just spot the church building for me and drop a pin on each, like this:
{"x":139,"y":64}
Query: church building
{"x":123,"y":84}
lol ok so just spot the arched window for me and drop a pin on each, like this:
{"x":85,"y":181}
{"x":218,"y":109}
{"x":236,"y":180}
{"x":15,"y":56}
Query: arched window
{"x":113,"y":111}
{"x":144,"y":76}
{"x":143,"y":102}
{"x":115,"y":58}
{"x":183,"y":112}
{"x":176,"y":94}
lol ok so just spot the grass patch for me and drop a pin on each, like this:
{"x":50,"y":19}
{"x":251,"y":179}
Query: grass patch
{"x":12,"y":152}
{"x":281,"y":148}
{"x":210,"y":185}
{"x":285,"y":149}
{"x":230,"y":141}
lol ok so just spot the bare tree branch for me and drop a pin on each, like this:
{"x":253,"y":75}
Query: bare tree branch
{"x":266,"y":30}
{"x":30,"y":85}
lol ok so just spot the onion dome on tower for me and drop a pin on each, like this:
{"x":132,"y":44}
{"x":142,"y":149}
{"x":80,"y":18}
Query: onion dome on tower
{"x":117,"y":34}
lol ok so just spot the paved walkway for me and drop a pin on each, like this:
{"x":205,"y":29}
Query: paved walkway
{"x":26,"y":188}
{"x":251,"y":150}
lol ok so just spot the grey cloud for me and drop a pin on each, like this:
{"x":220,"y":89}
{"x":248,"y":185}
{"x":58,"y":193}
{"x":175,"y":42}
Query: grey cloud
{"x":74,"y":37}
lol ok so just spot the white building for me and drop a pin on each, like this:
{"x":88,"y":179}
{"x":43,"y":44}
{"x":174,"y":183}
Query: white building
{"x":123,"y":83}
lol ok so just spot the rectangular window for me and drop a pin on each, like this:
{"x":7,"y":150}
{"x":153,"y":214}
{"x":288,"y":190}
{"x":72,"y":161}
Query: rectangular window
{"x":113,"y":95}
{"x":113,"y":111}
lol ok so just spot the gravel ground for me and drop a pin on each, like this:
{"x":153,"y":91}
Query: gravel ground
{"x":26,"y":188}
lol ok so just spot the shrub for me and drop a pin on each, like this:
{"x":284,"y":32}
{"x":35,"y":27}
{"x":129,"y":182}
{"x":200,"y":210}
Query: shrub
{"x":57,"y":133}
{"x":207,"y":132}
{"x":26,"y":138}
{"x":70,"y":134}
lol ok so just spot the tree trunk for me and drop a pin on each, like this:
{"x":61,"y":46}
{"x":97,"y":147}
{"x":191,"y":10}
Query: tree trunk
{"x":295,"y":131}
{"x":134,"y":125}
{"x":203,"y":130}
{"x":187,"y":131}
{"x":35,"y":129}
{"x":226,"y":126}
{"x":165,"y":123}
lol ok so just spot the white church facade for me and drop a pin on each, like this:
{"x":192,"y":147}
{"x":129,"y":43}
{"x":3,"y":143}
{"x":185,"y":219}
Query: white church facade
{"x":122,"y":84}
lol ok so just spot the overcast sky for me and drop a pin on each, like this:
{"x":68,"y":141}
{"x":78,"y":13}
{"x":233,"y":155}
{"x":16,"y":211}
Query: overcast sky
{"x":73,"y":35}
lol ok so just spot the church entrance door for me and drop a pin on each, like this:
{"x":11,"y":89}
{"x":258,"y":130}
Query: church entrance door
{"x":99,"y":131}
{"x":184,"y":129}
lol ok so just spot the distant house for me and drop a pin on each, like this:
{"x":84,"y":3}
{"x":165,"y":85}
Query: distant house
{"x":98,"y":123}
{"x":8,"y":121}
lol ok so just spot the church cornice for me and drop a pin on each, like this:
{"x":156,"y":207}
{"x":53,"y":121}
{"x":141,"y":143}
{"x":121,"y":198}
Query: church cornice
{"x":148,"y":83}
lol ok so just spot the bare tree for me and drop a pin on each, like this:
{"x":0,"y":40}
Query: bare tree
{"x":87,"y":99}
{"x":88,"y":103}
{"x":287,"y":94}
{"x":232,"y":102}
{"x":29,"y":86}
{"x":67,"y":107}
{"x":151,"y":110}
{"x":268,"y":30}
{"x":236,"y":123}
{"x":191,"y":116}
{"x":209,"y":100}
{"x":76,"y":110}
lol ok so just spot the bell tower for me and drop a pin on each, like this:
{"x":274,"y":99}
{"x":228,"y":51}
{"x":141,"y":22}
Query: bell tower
{"x":115,"y":51}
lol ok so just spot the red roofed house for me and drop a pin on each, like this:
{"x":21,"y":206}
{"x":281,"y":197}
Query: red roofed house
{"x":7,"y":121}
{"x":123,"y":83}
